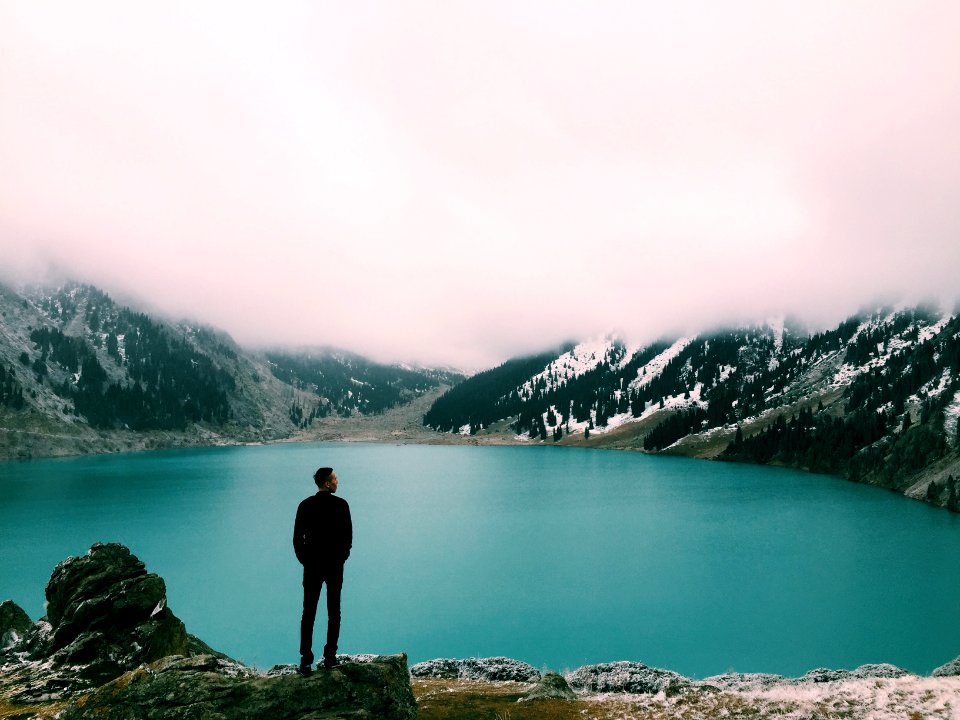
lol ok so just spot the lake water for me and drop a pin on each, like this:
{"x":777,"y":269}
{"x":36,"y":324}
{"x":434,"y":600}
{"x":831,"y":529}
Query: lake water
{"x":556,"y":556}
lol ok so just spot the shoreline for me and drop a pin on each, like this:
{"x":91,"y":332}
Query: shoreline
{"x":358,"y":430}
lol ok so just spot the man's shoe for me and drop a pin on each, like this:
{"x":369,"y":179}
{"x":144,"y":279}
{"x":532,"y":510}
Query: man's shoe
{"x":305,"y":671}
{"x":329,"y":663}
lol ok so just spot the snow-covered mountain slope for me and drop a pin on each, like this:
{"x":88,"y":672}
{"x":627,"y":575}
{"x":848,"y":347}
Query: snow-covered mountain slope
{"x":841,"y":401}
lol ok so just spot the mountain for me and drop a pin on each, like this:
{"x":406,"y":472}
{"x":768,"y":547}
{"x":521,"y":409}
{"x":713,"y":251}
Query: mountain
{"x":875,"y":399}
{"x":81,"y":373}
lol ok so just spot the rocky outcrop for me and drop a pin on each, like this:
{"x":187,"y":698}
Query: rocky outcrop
{"x":949,"y":669}
{"x":882,"y":670}
{"x":624,"y":676}
{"x":494,"y":669}
{"x":551,"y":686}
{"x":110,"y":647}
{"x":14,"y":624}
{"x":209,"y":687}
{"x":742,"y":681}
{"x":105,"y":615}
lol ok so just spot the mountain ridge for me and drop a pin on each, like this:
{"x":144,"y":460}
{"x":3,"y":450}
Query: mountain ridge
{"x":875,"y":399}
{"x":81,"y":373}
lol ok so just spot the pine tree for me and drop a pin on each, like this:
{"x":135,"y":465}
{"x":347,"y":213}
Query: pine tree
{"x":952,"y":495}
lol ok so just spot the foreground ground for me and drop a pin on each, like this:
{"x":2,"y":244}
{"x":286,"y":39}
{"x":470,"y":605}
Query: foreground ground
{"x":908,"y":698}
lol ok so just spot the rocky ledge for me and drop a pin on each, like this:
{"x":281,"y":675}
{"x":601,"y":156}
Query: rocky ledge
{"x":110,"y":647}
{"x":639,"y":679}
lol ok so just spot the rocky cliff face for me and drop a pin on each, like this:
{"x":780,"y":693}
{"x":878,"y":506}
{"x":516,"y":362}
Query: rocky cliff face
{"x":110,"y":647}
{"x":106,"y":614}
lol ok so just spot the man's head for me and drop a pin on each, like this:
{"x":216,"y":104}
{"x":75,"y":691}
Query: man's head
{"x":326,"y":479}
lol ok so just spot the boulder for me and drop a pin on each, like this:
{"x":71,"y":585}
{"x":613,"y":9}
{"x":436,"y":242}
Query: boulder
{"x":625,"y":676}
{"x":741,"y":681}
{"x":106,"y":614}
{"x":550,"y":687}
{"x":14,"y":624}
{"x":948,"y":670}
{"x":881,"y":670}
{"x":206,"y":686}
{"x":493,"y":669}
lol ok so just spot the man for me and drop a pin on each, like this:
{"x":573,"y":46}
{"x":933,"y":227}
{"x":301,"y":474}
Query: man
{"x":322,"y":538}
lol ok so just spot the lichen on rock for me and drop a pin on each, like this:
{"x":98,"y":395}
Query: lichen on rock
{"x":880,"y":670}
{"x":493,"y":669}
{"x":210,"y":687}
{"x":625,"y":676}
{"x":949,"y":669}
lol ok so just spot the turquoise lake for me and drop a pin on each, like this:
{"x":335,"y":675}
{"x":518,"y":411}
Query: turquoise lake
{"x":556,"y":556}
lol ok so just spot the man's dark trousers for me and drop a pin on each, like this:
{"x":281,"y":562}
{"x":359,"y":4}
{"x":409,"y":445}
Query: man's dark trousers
{"x":314,"y":577}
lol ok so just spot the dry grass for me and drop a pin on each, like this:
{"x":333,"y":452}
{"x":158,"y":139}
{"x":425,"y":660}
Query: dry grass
{"x":39,"y":711}
{"x":907,"y":699}
{"x":475,"y":700}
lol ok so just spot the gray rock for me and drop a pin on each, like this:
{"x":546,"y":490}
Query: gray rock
{"x":493,"y":669}
{"x":14,"y":624}
{"x":881,"y":670}
{"x":822,"y":675}
{"x":742,"y":681}
{"x":107,"y":615}
{"x":550,"y":687}
{"x":625,"y":676}
{"x":948,"y":670}
{"x":210,"y":688}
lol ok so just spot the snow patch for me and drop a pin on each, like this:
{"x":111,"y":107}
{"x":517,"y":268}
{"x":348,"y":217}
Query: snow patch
{"x":932,"y":331}
{"x":652,"y":369}
{"x":574,"y":363}
{"x":951,"y":416}
{"x":160,"y":606}
{"x":776,"y":324}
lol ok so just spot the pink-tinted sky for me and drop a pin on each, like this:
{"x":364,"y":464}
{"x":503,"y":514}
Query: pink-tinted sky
{"x":454,"y":182}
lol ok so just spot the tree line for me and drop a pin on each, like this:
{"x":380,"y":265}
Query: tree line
{"x":347,"y":384}
{"x":165,"y":383}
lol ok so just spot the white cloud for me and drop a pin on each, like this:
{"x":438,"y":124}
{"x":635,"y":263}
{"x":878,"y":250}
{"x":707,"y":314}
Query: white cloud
{"x":460,"y":182}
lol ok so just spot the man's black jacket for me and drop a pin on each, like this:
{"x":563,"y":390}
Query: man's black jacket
{"x":323,"y":532}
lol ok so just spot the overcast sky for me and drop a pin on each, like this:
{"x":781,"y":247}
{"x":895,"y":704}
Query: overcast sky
{"x":453,"y":182}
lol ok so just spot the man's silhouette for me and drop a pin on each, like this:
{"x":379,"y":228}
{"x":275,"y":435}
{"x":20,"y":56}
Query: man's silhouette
{"x":322,"y":537}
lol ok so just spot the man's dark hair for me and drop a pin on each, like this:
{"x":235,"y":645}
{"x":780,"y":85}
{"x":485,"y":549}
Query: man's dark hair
{"x":322,"y":475}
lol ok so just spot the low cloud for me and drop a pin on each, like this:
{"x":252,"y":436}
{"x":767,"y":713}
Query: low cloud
{"x":461,"y":183}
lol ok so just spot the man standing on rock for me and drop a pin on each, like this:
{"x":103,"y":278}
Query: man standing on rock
{"x":322,"y":538}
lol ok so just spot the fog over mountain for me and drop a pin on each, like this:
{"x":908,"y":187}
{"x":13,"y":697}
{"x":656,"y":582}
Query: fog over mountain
{"x":459,"y":184}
